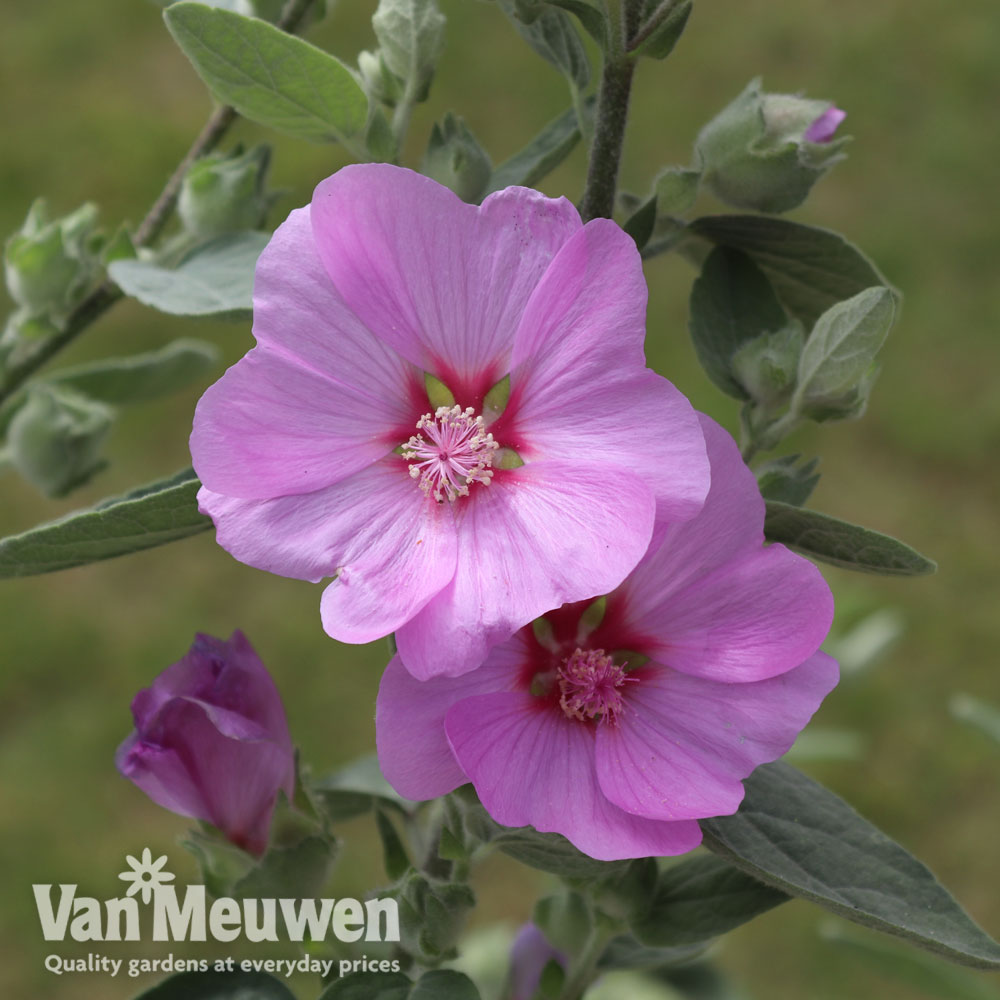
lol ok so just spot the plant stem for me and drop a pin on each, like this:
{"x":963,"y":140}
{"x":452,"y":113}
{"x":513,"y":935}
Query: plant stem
{"x":106,"y":294}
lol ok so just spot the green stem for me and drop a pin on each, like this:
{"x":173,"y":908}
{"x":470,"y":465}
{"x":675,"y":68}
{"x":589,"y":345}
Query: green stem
{"x":584,"y":970}
{"x":612,"y":111}
{"x":106,"y":294}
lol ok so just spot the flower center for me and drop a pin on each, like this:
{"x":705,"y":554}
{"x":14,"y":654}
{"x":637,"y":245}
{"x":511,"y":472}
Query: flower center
{"x":451,"y":452}
{"x":590,"y":686}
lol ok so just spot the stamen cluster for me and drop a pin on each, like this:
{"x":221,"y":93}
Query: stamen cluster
{"x":453,"y":452}
{"x":589,"y":685}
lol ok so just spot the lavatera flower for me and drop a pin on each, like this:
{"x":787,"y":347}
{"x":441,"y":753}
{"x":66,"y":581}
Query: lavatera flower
{"x":448,"y":411}
{"x":620,"y":723}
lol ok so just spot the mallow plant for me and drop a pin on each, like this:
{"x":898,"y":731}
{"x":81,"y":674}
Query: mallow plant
{"x":604,"y":613}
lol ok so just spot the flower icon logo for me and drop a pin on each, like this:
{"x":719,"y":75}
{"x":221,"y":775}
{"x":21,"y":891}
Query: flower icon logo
{"x":146,"y":875}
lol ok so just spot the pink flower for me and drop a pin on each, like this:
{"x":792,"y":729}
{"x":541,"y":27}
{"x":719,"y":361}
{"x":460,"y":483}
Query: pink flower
{"x":211,"y":740}
{"x":621,"y":730}
{"x":824,"y":127}
{"x":454,"y":522}
{"x":530,"y":953}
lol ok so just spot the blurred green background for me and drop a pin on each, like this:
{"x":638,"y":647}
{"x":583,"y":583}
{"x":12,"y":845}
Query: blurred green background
{"x":97,"y":103}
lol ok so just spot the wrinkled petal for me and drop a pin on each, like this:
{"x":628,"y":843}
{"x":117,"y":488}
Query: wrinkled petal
{"x":751,"y":619}
{"x":391,"y":549}
{"x":730,"y":524}
{"x":537,"y":537}
{"x":685,"y":744}
{"x":535,"y":767}
{"x":413,"y":750}
{"x":271,"y":427}
{"x":442,"y":282}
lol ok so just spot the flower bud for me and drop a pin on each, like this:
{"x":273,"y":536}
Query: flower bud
{"x":529,"y":955}
{"x":49,"y":264}
{"x":378,"y":79}
{"x":211,"y":741}
{"x":56,"y":437}
{"x":455,"y":158}
{"x":225,"y":194}
{"x":765,"y":151}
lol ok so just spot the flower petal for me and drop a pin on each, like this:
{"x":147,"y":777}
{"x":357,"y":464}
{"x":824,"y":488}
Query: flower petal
{"x":533,"y":766}
{"x":730,"y":524}
{"x":391,"y":548}
{"x":685,"y":744}
{"x":442,"y":282}
{"x":537,"y":537}
{"x":271,"y":427}
{"x":413,"y":750}
{"x":161,"y":774}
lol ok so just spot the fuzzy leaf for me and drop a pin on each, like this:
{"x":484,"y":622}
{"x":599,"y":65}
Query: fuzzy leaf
{"x":732,"y":303}
{"x":270,"y":76}
{"x":554,"y":38}
{"x":219,"y":986}
{"x":215,"y":278}
{"x":811,"y":269}
{"x":153,"y":515}
{"x":369,"y":986}
{"x":795,"y":835}
{"x":841,"y":543}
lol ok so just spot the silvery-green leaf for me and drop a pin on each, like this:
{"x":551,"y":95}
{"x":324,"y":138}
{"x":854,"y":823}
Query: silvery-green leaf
{"x":411,"y":36}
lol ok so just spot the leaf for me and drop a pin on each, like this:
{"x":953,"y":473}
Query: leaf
{"x":781,"y":479}
{"x":676,"y":190}
{"x":214,"y":278}
{"x":843,"y":344}
{"x":354,"y":789}
{"x":811,"y":269}
{"x":640,"y":223}
{"x":270,"y":76}
{"x":625,"y":952}
{"x":732,"y":303}
{"x":219,"y":986}
{"x":542,"y":155}
{"x":800,"y":838}
{"x":139,"y":377}
{"x":444,"y":984}
{"x":295,"y":871}
{"x":700,"y":899}
{"x":840,"y":543}
{"x":394,"y":856}
{"x":369,"y":986}
{"x":977,"y":712}
{"x":554,"y":38}
{"x":153,"y":515}
{"x":660,"y":42}
{"x":589,"y":15}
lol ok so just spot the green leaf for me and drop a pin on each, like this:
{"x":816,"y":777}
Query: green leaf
{"x":153,"y":515}
{"x":700,"y":899}
{"x":640,"y":223}
{"x":589,"y":14}
{"x":840,"y":543}
{"x":676,"y":190}
{"x":444,"y":984}
{"x":298,"y":871}
{"x":139,"y":377}
{"x":214,"y":278}
{"x":811,"y":269}
{"x":354,"y":790}
{"x":783,"y":480}
{"x":219,"y":986}
{"x":411,"y":36}
{"x":554,"y":38}
{"x":625,"y":952}
{"x":394,"y":855}
{"x":842,"y":346}
{"x":732,"y":303}
{"x":269,"y":76}
{"x":800,"y":838}
{"x":542,"y":155}
{"x":369,"y":986}
{"x":660,"y":42}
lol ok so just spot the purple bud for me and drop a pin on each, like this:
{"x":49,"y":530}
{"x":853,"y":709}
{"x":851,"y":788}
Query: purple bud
{"x":211,"y":740}
{"x":824,"y":127}
{"x":529,"y":954}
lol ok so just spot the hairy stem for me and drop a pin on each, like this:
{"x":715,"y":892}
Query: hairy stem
{"x":612,"y":111}
{"x":106,"y":294}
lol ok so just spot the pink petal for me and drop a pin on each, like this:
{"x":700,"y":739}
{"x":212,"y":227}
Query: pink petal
{"x":533,"y":766}
{"x":580,"y":388}
{"x":753,"y":618}
{"x":413,"y":750}
{"x":685,"y":743}
{"x":442,"y":282}
{"x":730,"y":524}
{"x":537,"y":537}
{"x":270,"y":427}
{"x":391,"y":548}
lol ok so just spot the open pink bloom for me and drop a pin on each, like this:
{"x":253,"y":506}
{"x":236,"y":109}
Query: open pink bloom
{"x":453,"y":522}
{"x":620,"y":731}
